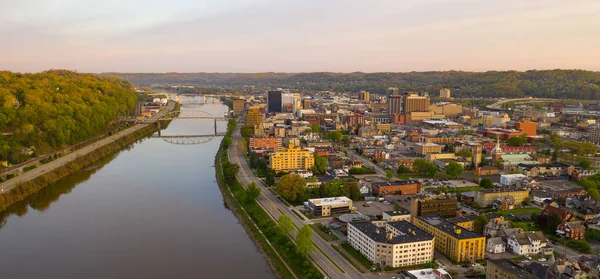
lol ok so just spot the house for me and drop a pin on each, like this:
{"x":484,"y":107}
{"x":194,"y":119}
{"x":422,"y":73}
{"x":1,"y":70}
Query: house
{"x":495,"y":245}
{"x":565,"y":215}
{"x":572,"y":230}
{"x":506,"y":233}
{"x":504,"y":203}
{"x":492,"y":228}
{"x":526,"y":243}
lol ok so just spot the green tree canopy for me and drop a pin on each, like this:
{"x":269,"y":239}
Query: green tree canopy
{"x":518,"y":140}
{"x":247,"y":131}
{"x":402,"y":169}
{"x":423,"y":167}
{"x":252,"y":192}
{"x":290,"y":186}
{"x":479,"y":223}
{"x":315,"y":128}
{"x":320,"y":165}
{"x":304,"y":243}
{"x":285,"y":223}
{"x":454,"y":169}
{"x":486,"y":183}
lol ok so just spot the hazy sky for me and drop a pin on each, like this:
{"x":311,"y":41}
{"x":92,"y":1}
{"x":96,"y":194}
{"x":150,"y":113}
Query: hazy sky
{"x":298,"y":36}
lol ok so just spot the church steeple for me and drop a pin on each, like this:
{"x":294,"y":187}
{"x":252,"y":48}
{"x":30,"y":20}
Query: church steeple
{"x":497,"y":151}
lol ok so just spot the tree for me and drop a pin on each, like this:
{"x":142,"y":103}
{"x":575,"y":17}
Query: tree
{"x":304,"y":243}
{"x":402,"y":169}
{"x":335,"y":136}
{"x":285,"y":223}
{"x":486,"y":183}
{"x":362,"y":170}
{"x":291,"y":186}
{"x":334,"y":188}
{"x":588,"y":184}
{"x":465,"y":153}
{"x":594,"y":194}
{"x":585,"y":163}
{"x":397,"y":207}
{"x":320,"y":164}
{"x":247,"y":131}
{"x":315,"y":128}
{"x":479,"y":223}
{"x":518,"y":140}
{"x":553,"y":221}
{"x":422,"y":167}
{"x":252,"y":192}
{"x":454,"y":169}
{"x":389,"y":174}
{"x":526,"y":201}
{"x":270,"y":178}
{"x":353,"y":188}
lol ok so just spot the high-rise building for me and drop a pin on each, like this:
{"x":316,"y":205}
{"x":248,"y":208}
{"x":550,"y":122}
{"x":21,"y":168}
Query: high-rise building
{"x":394,"y":104}
{"x":292,"y":100}
{"x":306,"y":104}
{"x":527,"y":127}
{"x":254,"y":117}
{"x":445,"y":93}
{"x":415,"y":102}
{"x":364,"y":96}
{"x":238,"y":106}
{"x":274,"y":100}
{"x":392,"y":91}
{"x":595,"y":135}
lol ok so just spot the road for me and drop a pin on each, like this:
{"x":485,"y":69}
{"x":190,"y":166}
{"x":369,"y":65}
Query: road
{"x":498,"y":104}
{"x":365,"y":162}
{"x":275,"y":208}
{"x":572,"y":255}
{"x":42,"y":169}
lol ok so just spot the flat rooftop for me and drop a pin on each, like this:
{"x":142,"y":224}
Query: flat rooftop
{"x":330,"y":201}
{"x":408,"y":232}
{"x":448,"y":227}
{"x":402,"y":211}
{"x":513,"y":268}
{"x":395,"y":183}
{"x":426,"y":144}
{"x":427,"y":273}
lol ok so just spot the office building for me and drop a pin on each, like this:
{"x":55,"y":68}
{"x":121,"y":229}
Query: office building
{"x":392,"y":91}
{"x":398,"y":244}
{"x":291,"y":159}
{"x":238,"y":106}
{"x":274,"y":101}
{"x":456,"y":243}
{"x":487,"y":197}
{"x":364,"y":96}
{"x":328,"y":206}
{"x":594,"y":135}
{"x":527,"y":127}
{"x":254,"y":118}
{"x":408,"y":187}
{"x":426,"y":148}
{"x":396,"y":215}
{"x":306,"y":104}
{"x":506,"y":269}
{"x":415,"y":102}
{"x":427,"y":206}
{"x":445,"y":93}
{"x":394,"y":103}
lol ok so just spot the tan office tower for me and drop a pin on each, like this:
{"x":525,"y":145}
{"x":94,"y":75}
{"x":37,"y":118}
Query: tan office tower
{"x":238,"y":106}
{"x":364,"y":96}
{"x":392,"y":91}
{"x":306,"y":104}
{"x":415,"y":102}
{"x":445,"y":93}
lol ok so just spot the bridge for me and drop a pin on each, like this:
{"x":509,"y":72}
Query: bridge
{"x":186,"y":115}
{"x":188,"y":140}
{"x":498,"y":105}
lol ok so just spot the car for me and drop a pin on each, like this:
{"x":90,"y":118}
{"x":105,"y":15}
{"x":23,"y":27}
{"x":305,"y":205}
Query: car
{"x":542,"y":259}
{"x":528,"y":257}
{"x":524,"y":261}
{"x":554,"y":242}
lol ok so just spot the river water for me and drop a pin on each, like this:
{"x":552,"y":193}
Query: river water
{"x":151,"y":211}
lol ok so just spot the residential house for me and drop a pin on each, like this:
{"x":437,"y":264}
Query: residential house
{"x":526,"y":243}
{"x":492,"y":228}
{"x":495,"y":245}
{"x":572,"y":230}
{"x":565,"y":215}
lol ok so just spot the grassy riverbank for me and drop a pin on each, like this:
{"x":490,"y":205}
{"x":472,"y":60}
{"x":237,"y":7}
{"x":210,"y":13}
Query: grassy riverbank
{"x":277,"y":247}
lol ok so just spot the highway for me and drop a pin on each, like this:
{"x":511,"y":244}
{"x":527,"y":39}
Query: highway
{"x":275,"y":208}
{"x":48,"y":167}
{"x":498,"y":104}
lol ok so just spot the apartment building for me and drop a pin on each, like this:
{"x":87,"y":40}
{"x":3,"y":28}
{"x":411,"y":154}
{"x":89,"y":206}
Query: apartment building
{"x":291,"y":158}
{"x":456,"y":243}
{"x":487,"y":197}
{"x":465,"y":222}
{"x":265,"y":143}
{"x":398,"y":244}
{"x":506,"y":269}
{"x":426,"y":148}
{"x":396,"y":215}
{"x":328,"y":206}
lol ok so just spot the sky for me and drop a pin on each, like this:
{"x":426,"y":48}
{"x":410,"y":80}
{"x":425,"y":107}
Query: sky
{"x":298,"y":36}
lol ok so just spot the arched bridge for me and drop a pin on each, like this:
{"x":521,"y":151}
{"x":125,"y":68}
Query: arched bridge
{"x":187,"y":115}
{"x":188,"y":140}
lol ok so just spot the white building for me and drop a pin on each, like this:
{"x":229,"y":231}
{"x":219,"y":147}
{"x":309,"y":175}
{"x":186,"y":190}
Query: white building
{"x":495,"y":245}
{"x":398,"y":244}
{"x":511,"y":179}
{"x":526,"y":243}
{"x":394,"y":216}
{"x":427,"y":273}
{"x":329,"y":206}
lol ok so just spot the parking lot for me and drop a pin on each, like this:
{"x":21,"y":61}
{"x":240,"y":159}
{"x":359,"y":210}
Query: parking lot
{"x":558,"y":184}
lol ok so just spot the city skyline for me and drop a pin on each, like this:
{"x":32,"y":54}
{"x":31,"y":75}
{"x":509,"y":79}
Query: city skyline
{"x":298,"y":36}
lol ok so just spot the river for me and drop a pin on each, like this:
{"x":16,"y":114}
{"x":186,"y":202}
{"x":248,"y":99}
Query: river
{"x":153,"y":210}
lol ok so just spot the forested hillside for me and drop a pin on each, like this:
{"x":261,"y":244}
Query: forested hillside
{"x":571,"y":84}
{"x":56,"y":108}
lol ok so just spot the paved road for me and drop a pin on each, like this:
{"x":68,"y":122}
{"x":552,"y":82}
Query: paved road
{"x":365,"y":162}
{"x":275,"y":208}
{"x":42,"y":169}
{"x":572,"y":255}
